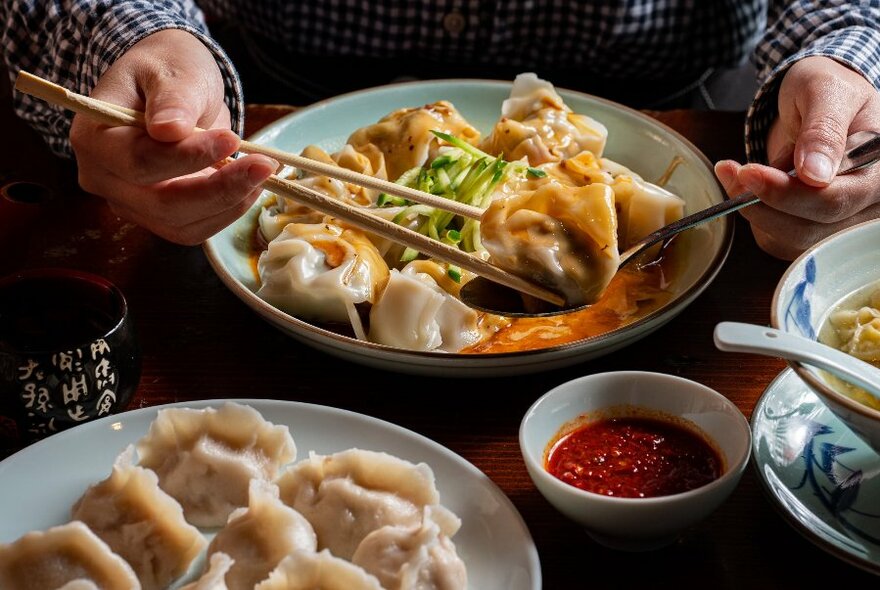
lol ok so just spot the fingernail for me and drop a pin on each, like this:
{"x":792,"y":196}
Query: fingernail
{"x":724,"y":172}
{"x":167,"y":116}
{"x":260,"y":171}
{"x":819,"y":167}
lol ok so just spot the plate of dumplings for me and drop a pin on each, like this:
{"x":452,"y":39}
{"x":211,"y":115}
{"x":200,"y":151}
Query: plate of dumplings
{"x":567,"y":171}
{"x":254,"y":494}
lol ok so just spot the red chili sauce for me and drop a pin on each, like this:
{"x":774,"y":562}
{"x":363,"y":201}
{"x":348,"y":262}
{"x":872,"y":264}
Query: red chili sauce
{"x":634,"y":457}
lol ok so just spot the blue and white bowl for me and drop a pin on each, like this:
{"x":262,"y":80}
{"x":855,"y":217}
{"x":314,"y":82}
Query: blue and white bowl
{"x":807,"y":294}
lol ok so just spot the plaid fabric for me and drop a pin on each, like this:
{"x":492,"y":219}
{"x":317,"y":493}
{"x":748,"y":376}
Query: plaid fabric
{"x":848,"y":32}
{"x":623,"y":39}
{"x":72,"y":43}
{"x":652,"y":38}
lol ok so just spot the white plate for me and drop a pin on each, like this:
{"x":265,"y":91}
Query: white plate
{"x":822,"y":477}
{"x":634,"y":139}
{"x":41,"y":482}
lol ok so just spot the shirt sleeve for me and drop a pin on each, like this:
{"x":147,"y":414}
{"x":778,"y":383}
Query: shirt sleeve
{"x":848,"y":32}
{"x":72,"y":43}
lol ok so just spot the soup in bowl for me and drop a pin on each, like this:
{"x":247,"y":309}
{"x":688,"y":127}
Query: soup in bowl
{"x":831,"y":293}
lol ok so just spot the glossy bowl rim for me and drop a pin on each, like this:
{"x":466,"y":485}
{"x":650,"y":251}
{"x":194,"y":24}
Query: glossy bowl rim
{"x":583,"y":497}
{"x":819,"y":386}
{"x":284,"y":320}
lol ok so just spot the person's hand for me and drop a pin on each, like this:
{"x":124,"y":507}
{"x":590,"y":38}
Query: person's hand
{"x":160,"y":177}
{"x":821,"y":102}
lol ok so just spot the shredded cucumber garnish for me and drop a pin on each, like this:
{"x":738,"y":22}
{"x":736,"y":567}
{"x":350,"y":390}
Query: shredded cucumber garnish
{"x":462,"y":173}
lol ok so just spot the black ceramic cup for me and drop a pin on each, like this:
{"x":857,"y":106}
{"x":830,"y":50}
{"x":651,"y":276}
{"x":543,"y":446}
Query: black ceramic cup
{"x":68,"y":352}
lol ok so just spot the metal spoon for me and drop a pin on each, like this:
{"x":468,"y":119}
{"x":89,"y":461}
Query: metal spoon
{"x":738,"y":337}
{"x":862,"y":150}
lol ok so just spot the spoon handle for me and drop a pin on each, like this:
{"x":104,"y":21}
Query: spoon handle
{"x":863,"y":150}
{"x":739,"y":337}
{"x":689,"y":221}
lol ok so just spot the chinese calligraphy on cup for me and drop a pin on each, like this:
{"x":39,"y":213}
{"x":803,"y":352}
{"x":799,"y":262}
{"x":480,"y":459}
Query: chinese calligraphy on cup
{"x":67,"y":351}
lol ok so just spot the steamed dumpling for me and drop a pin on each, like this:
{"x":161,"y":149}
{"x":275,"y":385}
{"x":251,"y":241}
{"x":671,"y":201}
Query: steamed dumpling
{"x":537,"y":124}
{"x":318,"y":571}
{"x":320,"y":271}
{"x":215,"y":577}
{"x":412,"y":557}
{"x":69,"y":556}
{"x":348,"y":495}
{"x":562,"y":237}
{"x":415,"y":313}
{"x":281,"y":212}
{"x":258,"y":537}
{"x":206,"y":458}
{"x":859,"y":332}
{"x":140,"y":523}
{"x":404,"y":139}
{"x":642,"y":207}
{"x":349,"y":159}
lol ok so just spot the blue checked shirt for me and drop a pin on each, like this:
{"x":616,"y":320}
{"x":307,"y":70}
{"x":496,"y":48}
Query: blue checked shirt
{"x":72,"y":42}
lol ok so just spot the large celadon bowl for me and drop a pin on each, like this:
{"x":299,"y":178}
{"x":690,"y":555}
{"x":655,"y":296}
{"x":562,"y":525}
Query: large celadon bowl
{"x":810,"y":290}
{"x":634,"y":139}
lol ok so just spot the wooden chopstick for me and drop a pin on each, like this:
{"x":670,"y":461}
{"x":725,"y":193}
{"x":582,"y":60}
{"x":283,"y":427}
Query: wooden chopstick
{"x":116,"y":116}
{"x":99,"y":109}
{"x":364,"y":180}
{"x":403,"y":235}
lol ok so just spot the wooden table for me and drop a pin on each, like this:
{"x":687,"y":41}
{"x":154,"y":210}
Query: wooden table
{"x":199,"y":341}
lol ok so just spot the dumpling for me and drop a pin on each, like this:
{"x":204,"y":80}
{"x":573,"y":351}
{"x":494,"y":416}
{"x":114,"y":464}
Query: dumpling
{"x":258,"y":537}
{"x":348,"y":495}
{"x":415,"y":313}
{"x":320,"y":271}
{"x":855,"y":329}
{"x":68,"y":556}
{"x":206,"y":458}
{"x":859,"y":332}
{"x":215,"y":577}
{"x":642,"y":207}
{"x":350,"y":159}
{"x":537,"y":124}
{"x":412,"y":557}
{"x":562,"y":237}
{"x":318,"y":571}
{"x":404,"y":139}
{"x":140,"y":523}
{"x":281,"y":212}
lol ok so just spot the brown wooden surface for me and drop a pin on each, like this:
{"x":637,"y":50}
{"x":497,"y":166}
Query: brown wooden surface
{"x":199,"y":341}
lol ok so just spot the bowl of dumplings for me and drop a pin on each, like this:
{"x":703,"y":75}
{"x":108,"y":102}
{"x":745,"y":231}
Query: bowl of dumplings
{"x":567,"y":181}
{"x":831,"y":293}
{"x":215,"y":497}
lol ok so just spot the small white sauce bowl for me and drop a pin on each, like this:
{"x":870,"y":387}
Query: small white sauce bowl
{"x":635,"y":524}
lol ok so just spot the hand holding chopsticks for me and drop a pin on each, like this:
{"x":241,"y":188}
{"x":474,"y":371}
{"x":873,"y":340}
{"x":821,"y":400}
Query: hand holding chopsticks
{"x":114,"y":115}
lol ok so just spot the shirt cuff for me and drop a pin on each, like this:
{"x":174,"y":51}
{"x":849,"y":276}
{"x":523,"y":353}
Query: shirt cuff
{"x":855,"y":47}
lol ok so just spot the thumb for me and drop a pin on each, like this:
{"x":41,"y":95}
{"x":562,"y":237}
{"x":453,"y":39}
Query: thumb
{"x":821,"y":140}
{"x":173,"y":107}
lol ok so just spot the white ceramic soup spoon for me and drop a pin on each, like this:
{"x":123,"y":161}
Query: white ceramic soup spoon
{"x":739,"y":337}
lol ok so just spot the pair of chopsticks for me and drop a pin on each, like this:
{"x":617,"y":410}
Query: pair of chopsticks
{"x":116,"y":116}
